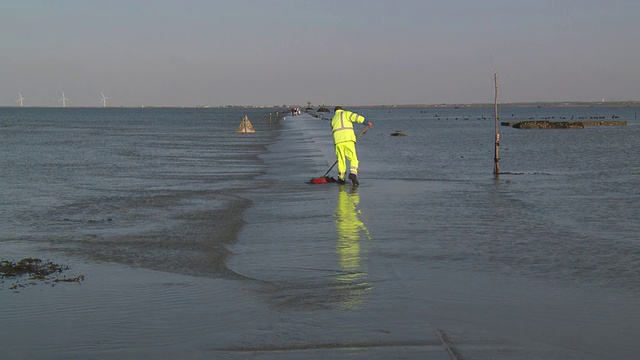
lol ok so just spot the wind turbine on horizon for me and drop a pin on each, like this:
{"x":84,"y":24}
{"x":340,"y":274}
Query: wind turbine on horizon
{"x":64,"y":100}
{"x":21,"y":99}
{"x":104,"y":100}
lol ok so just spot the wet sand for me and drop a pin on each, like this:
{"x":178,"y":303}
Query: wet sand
{"x":308,"y":286}
{"x":383,"y":294}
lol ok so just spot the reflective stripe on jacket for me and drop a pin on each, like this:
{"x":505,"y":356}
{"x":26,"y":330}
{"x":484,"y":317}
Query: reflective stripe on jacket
{"x":342,"y":125}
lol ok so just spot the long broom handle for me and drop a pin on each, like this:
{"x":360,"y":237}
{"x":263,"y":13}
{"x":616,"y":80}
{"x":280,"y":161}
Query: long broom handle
{"x":357,"y":138}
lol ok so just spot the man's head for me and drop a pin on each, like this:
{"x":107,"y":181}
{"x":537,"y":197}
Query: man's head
{"x":337,"y":108}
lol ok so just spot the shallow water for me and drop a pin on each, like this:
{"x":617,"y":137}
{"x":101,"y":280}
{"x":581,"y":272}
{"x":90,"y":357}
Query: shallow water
{"x":139,"y":186}
{"x":537,"y":265}
{"x":210,"y":244}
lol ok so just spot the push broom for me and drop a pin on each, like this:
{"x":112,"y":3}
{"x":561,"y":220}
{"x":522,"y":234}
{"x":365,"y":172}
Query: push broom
{"x":327,"y":179}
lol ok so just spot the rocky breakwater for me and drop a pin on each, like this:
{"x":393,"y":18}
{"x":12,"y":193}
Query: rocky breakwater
{"x":561,"y":124}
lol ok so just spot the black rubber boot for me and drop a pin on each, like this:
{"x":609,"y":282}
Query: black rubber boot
{"x":354,"y":179}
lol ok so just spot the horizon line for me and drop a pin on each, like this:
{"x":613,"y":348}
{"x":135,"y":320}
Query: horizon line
{"x":461,"y":104}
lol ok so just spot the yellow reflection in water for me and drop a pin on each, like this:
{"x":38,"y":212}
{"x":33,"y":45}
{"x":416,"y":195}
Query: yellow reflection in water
{"x":351,"y":230}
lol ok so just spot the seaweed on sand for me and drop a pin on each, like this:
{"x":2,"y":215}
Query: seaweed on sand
{"x":33,"y":269}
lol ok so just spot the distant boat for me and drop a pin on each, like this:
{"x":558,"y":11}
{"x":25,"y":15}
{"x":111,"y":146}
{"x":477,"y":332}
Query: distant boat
{"x":398,"y":133}
{"x":245,"y":127}
{"x":323,"y":109}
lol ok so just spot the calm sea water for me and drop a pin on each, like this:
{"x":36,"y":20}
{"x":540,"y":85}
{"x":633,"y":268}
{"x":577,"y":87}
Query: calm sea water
{"x":135,"y":186}
{"x":255,"y":262}
{"x":570,"y":213}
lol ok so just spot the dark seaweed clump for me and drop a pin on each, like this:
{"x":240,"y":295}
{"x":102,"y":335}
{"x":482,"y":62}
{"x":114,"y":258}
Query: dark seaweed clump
{"x":34,"y":269}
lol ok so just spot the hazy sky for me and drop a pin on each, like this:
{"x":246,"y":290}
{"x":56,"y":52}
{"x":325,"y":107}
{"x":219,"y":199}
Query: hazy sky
{"x":352,"y":52}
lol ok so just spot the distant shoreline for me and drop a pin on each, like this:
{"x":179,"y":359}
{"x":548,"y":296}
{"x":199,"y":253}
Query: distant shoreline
{"x":442,"y":105}
{"x":516,"y":104}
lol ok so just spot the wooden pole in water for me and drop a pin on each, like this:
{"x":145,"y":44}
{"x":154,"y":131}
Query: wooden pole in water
{"x":496,"y":158}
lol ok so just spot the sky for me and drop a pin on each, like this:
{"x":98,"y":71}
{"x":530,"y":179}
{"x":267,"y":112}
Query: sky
{"x":349,"y":52}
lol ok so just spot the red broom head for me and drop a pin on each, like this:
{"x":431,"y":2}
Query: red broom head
{"x":322,"y":180}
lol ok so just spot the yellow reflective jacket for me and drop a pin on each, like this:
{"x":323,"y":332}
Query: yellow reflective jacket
{"x":342,"y":125}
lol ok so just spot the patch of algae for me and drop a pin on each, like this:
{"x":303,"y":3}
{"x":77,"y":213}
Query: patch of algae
{"x":33,"y":270}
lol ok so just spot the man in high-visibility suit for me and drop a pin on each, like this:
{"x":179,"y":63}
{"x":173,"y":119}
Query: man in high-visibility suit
{"x":344,"y":139}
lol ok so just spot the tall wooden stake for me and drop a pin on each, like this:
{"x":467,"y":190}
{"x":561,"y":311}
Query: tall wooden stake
{"x":496,"y":158}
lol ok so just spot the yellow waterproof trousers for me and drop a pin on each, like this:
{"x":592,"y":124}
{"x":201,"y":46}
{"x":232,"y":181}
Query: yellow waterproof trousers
{"x":346,"y":151}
